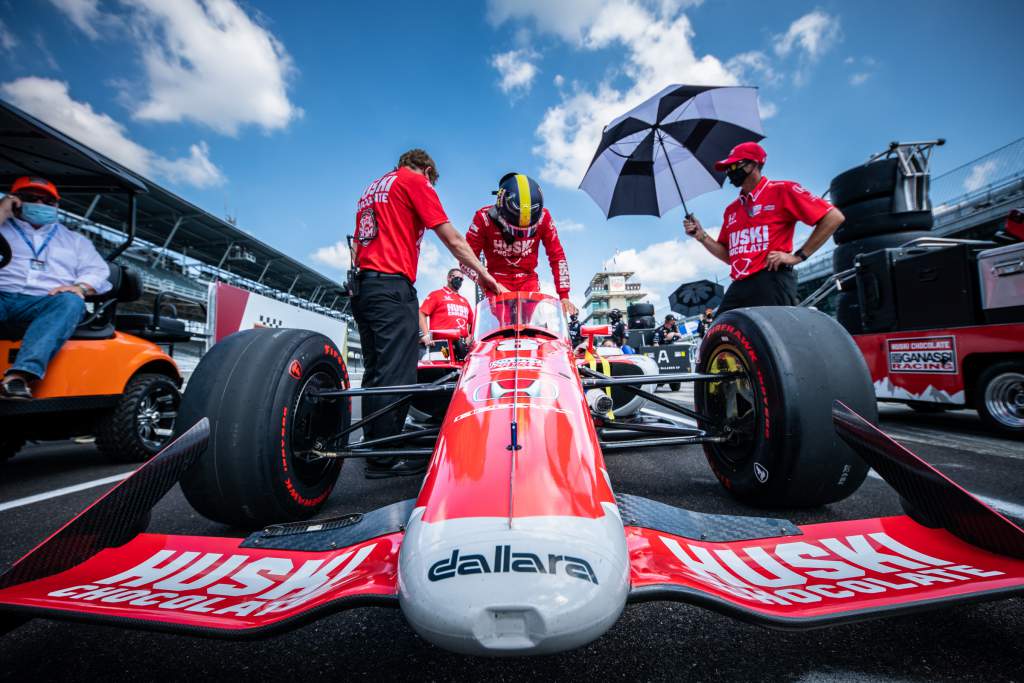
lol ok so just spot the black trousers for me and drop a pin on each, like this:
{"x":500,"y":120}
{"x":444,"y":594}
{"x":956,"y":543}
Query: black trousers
{"x":764,"y":288}
{"x":387,"y":314}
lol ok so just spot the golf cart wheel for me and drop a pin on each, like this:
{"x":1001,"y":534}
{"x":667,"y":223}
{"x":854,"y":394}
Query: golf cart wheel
{"x":10,"y":444}
{"x":675,"y":386}
{"x":999,"y":397}
{"x":142,"y":422}
{"x":259,"y":389}
{"x":790,"y":364}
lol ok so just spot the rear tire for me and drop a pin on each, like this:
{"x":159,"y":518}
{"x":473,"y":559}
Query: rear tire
{"x":999,"y":397}
{"x":639,"y":310}
{"x":142,"y":422}
{"x":784,"y":451}
{"x":864,"y":182}
{"x":875,"y":217}
{"x":255,"y":388}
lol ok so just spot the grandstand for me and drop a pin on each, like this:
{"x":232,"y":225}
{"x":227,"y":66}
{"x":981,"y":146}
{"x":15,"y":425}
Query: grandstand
{"x":178,"y":247}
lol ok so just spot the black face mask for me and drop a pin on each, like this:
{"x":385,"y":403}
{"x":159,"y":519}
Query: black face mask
{"x":737,"y":176}
{"x":455,"y":283}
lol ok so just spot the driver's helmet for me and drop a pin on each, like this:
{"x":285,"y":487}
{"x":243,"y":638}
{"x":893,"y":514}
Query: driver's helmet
{"x":573,"y":317}
{"x":519,"y":205}
{"x":615,"y":315}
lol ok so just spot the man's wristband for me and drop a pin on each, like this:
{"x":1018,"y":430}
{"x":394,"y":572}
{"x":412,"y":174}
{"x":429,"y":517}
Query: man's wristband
{"x":83,"y":288}
{"x":799,"y":253}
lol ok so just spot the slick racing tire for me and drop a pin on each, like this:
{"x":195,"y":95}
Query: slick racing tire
{"x":639,"y":310}
{"x":875,"y":217}
{"x":999,"y":397}
{"x":258,"y":389}
{"x":864,"y":182}
{"x":844,"y":255}
{"x":782,"y":449}
{"x":642,"y":322}
{"x":142,"y":422}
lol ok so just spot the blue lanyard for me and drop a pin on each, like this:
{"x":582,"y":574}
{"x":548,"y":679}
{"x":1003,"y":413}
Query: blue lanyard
{"x":46,"y":242}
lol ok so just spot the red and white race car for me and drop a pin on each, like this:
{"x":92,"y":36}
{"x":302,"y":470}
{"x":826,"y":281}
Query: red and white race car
{"x":517,"y":542}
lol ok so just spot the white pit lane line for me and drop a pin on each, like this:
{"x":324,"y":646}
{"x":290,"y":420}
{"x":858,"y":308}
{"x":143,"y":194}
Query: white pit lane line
{"x":56,"y":493}
{"x":1004,"y":506}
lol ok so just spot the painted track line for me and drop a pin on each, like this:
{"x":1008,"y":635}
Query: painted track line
{"x":28,"y":500}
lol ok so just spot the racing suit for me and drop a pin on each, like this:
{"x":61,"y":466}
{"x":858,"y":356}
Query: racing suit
{"x":515,"y":265}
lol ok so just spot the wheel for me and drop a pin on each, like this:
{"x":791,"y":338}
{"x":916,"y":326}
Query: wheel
{"x":674,"y":386}
{"x":848,"y":312}
{"x":783,"y":450}
{"x":258,"y":389}
{"x":999,"y":397}
{"x":142,"y":422}
{"x":642,"y":322}
{"x":10,"y":444}
{"x":844,"y":254}
{"x":874,"y":217}
{"x":864,"y":182}
{"x":639,"y":310}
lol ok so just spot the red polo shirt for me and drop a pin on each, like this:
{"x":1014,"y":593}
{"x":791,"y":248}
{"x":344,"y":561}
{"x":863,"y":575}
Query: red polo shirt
{"x":448,"y":310}
{"x":402,"y":204}
{"x":764,"y":220}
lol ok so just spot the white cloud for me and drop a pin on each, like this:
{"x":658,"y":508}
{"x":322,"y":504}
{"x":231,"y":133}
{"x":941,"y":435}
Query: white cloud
{"x":565,"y":18}
{"x":8,"y":41}
{"x":559,"y":80}
{"x":809,"y":37}
{"x":663,"y":266}
{"x":50,"y":101}
{"x":569,"y":225}
{"x":517,"y":70}
{"x":980,"y":175}
{"x":859,"y":78}
{"x":753,"y":67}
{"x":207,"y":62}
{"x":767,"y":109}
{"x":658,"y":52}
{"x":334,"y":255}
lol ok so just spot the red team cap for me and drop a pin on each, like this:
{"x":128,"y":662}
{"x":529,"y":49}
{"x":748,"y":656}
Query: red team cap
{"x":745,"y":151}
{"x":41,"y":184}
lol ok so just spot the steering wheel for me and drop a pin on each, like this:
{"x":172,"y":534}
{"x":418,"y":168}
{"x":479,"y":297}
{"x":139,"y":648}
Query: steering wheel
{"x":5,"y":252}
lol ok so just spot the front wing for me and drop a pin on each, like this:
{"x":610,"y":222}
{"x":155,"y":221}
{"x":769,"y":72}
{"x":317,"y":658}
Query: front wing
{"x":762,"y":570}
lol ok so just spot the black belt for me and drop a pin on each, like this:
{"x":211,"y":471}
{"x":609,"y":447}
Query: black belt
{"x":382,"y":276}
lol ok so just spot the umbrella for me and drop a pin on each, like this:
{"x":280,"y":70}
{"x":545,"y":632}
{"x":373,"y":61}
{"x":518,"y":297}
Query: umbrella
{"x":691,"y":298}
{"x":661,"y":153}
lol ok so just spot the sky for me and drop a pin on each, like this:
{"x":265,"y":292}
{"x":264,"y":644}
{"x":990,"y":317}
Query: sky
{"x":280,"y":114}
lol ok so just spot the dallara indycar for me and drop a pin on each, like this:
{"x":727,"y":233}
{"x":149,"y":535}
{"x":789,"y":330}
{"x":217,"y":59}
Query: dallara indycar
{"x":517,"y":542}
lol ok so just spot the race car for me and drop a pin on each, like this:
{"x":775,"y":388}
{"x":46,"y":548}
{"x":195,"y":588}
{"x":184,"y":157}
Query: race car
{"x":517,"y":542}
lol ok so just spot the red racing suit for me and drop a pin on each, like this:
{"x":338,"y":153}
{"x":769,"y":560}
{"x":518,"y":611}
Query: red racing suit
{"x":515,"y":265}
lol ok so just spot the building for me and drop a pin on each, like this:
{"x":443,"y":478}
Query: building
{"x":610,"y":290}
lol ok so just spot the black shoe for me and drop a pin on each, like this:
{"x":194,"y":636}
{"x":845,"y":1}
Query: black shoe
{"x":409,"y":468}
{"x":16,"y":388}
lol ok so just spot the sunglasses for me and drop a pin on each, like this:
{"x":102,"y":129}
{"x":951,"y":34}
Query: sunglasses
{"x":33,"y":198}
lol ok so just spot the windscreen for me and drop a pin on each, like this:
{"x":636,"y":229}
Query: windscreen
{"x":544,"y":314}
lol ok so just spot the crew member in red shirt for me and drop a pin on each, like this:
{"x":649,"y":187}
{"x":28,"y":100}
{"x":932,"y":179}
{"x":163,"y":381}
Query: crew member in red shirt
{"x":446,"y":309}
{"x":509,"y":234}
{"x":756,"y":238}
{"x":392,"y":215}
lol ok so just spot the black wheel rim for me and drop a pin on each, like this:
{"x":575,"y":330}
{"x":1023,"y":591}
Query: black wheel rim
{"x":734,"y":403}
{"x":315,"y":421}
{"x":154,"y":420}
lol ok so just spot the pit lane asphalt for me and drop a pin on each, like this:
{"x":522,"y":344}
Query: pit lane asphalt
{"x":654,"y":641}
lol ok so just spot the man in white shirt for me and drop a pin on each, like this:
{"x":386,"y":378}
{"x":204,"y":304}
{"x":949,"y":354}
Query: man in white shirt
{"x":51,"y":271}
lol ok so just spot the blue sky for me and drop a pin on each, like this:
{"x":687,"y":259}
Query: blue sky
{"x":280,"y":113}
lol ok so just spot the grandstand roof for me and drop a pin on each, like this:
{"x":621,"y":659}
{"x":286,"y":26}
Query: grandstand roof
{"x":98,"y":188}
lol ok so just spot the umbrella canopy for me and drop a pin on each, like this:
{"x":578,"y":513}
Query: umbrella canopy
{"x":691,"y":298}
{"x":661,"y":153}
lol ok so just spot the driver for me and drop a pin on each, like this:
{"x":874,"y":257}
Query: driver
{"x":508,"y":234}
{"x":668,"y":333}
{"x":50,"y":273}
{"x":618,"y":327}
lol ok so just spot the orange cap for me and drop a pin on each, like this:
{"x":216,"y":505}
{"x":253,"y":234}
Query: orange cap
{"x":26,"y":182}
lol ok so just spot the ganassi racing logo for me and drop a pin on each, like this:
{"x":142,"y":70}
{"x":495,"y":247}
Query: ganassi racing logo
{"x":504,"y":561}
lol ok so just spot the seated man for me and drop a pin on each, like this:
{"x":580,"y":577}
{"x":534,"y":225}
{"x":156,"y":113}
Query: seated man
{"x":446,"y":309}
{"x":50,"y":273}
{"x":668,"y":333}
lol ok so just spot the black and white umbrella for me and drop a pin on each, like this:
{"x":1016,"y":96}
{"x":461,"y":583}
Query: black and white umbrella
{"x":661,"y":153}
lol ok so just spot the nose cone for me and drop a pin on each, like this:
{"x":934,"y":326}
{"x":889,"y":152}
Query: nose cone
{"x":538,"y":585}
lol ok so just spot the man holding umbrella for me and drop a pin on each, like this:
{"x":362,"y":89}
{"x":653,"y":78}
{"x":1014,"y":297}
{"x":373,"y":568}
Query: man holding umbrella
{"x":756,"y":238}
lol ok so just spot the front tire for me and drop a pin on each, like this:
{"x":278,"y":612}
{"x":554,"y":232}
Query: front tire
{"x":142,"y":422}
{"x":783,"y":450}
{"x":258,"y":388}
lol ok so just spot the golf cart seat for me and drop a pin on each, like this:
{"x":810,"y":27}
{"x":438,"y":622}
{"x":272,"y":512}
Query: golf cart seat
{"x":157,"y":328}
{"x":125,"y":286}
